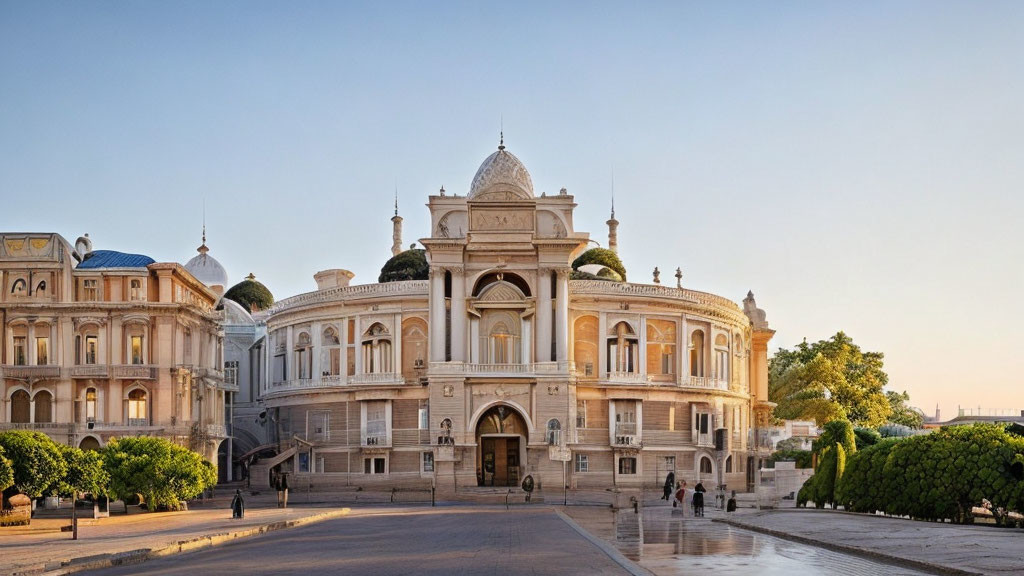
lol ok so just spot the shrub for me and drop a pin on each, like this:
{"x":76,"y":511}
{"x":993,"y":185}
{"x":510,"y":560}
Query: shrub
{"x":408,"y":265}
{"x":602,"y":256}
{"x":803,"y":458}
{"x":164,"y":473}
{"x":86,"y":472}
{"x":6,"y":472}
{"x":866,"y":437}
{"x":36,"y":462}
{"x":862,"y":488}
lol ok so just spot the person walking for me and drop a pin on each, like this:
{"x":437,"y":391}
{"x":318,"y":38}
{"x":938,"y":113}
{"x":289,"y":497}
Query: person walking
{"x":698,"y":499}
{"x":681,"y":497}
{"x":284,"y":490}
{"x":670,"y":482}
{"x":238,"y":505}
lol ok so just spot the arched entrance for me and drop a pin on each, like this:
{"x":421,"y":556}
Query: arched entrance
{"x":501,"y":436}
{"x":89,"y":443}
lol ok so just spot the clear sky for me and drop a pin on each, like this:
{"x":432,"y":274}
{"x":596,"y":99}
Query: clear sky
{"x":857,"y":165}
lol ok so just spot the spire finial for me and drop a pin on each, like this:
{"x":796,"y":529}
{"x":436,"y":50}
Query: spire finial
{"x":501,"y":140}
{"x":202,"y":247}
{"x":396,"y":198}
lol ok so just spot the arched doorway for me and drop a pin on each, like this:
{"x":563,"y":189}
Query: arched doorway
{"x":89,"y":443}
{"x":501,"y":436}
{"x":21,"y":407}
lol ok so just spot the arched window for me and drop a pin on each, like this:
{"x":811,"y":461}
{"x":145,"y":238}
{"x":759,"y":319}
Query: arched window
{"x":705,"y":465}
{"x":554,"y":435}
{"x":21,"y":411}
{"x":303,"y":356}
{"x":728,"y":465}
{"x":136,"y":289}
{"x":330,"y":361}
{"x":90,"y":405}
{"x":502,"y":344}
{"x":622,"y":348}
{"x":697,"y":353}
{"x":19,"y":287}
{"x":138,"y":414}
{"x":377,"y":350}
{"x":44,"y":407}
{"x":722,"y":357}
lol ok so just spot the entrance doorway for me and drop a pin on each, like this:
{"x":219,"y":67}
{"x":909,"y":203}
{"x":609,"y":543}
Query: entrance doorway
{"x":501,"y":444}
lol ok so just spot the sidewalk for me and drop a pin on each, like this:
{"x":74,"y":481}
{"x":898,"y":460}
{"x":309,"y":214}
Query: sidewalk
{"x":944,"y":548}
{"x":42,"y":547}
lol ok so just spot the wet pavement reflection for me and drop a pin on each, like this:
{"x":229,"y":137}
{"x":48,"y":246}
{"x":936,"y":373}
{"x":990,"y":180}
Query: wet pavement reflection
{"x":694,"y":546}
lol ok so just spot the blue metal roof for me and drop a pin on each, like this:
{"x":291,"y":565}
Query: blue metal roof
{"x":112,"y":259}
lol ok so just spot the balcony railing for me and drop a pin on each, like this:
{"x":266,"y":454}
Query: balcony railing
{"x":626,"y":377}
{"x":90,"y":371}
{"x":29,"y":372}
{"x":483,"y":369}
{"x":376,"y":441}
{"x":625,"y":434}
{"x":706,"y":382}
{"x":133,"y":372}
{"x":377,"y":378}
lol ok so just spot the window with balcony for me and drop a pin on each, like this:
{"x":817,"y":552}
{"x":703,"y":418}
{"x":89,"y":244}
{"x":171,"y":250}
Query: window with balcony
{"x":42,"y":350}
{"x":499,"y":339}
{"x":330,"y":361}
{"x":722,"y":357}
{"x":138,"y":415}
{"x":377,"y":350}
{"x":697,"y":353}
{"x":661,"y":347}
{"x":582,"y":463}
{"x":90,"y":405}
{"x":625,"y":422}
{"x":90,"y":290}
{"x":20,"y":351}
{"x":376,"y":423}
{"x":586,"y":337}
{"x":622,"y":348}
{"x":92,"y":345}
{"x":137,"y":350}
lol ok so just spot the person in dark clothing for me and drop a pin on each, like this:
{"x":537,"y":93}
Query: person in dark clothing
{"x":283,"y":491}
{"x":731,"y":505}
{"x":698,"y":499}
{"x":670,"y":482}
{"x":238,"y":505}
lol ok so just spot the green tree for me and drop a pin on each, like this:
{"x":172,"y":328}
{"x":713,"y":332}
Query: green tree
{"x":836,"y":432}
{"x":164,"y":473}
{"x":604,"y":257}
{"x":408,"y":265}
{"x":828,"y":380}
{"x":866,"y":437}
{"x":6,"y":472}
{"x":36,"y":462}
{"x":902,"y":413}
{"x":86,"y":472}
{"x":251,"y":294}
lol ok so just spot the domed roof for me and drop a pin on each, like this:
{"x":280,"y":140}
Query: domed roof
{"x":250,"y":294}
{"x":500,"y":174}
{"x":206,"y":269}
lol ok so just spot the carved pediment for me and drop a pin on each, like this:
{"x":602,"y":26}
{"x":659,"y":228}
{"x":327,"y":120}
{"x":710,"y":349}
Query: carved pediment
{"x":501,"y":292}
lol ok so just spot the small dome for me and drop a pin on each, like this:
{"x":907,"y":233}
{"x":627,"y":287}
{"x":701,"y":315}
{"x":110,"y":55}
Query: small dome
{"x":251,"y":294}
{"x":408,"y":265}
{"x":206,"y":269}
{"x":500,"y":174}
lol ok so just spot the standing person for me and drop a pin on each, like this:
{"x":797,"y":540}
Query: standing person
{"x":284,"y":490}
{"x":277,"y":486}
{"x":681,"y":498}
{"x":238,"y":505}
{"x":670,"y":481}
{"x":698,"y":499}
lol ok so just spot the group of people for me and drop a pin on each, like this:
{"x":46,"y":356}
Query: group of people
{"x":685,"y":497}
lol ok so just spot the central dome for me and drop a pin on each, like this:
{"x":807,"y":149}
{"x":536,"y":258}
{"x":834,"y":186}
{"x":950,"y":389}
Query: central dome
{"x":501,"y":177}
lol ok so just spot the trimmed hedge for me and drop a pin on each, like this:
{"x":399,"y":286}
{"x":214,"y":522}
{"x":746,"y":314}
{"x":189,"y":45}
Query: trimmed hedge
{"x":251,"y":295}
{"x":939,"y":476}
{"x":408,"y":265}
{"x":602,"y":256}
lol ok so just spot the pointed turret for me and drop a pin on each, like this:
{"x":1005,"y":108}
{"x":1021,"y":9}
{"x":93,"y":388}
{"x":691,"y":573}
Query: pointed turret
{"x":396,"y":233}
{"x":613,"y":230}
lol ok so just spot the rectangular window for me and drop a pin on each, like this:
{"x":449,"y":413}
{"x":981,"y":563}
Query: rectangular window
{"x":581,"y":413}
{"x":373,"y":466}
{"x":627,"y":465}
{"x":137,"y":350}
{"x":92,"y":345}
{"x":335,"y":362}
{"x":670,"y":462}
{"x":42,"y":350}
{"x":376,"y":423}
{"x":90,"y":405}
{"x":582,"y":463}
{"x":136,"y":289}
{"x":231,"y":373}
{"x":319,"y":426}
{"x":188,"y":346}
{"x":424,"y":418}
{"x":303,"y":461}
{"x":90,"y":292}
{"x":668,"y":359}
{"x":19,"y":350}
{"x":428,"y":461}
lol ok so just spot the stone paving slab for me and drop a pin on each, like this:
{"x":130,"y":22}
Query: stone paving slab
{"x":43,"y":548}
{"x":938,"y":547}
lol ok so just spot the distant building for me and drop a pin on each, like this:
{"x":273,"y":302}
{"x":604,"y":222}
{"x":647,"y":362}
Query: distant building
{"x":98,"y":344}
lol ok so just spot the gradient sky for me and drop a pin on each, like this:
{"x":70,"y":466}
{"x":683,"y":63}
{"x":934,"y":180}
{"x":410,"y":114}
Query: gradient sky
{"x":858,"y":165}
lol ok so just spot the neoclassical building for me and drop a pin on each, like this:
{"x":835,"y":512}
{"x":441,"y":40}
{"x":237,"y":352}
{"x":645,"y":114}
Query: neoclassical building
{"x":98,"y":344}
{"x":501,"y":363}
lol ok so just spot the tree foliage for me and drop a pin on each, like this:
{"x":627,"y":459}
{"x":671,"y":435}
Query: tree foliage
{"x":829,"y":380}
{"x":604,"y":257}
{"x":251,"y":295}
{"x":938,"y":476}
{"x":35,"y":460}
{"x":408,"y":265}
{"x":85,"y":472}
{"x":866,"y":437}
{"x":6,"y":472}
{"x":831,"y":450}
{"x":902,"y":413}
{"x":803,"y":458}
{"x":163,"y":472}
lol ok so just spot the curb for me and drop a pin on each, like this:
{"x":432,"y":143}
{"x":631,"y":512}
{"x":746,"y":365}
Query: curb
{"x":854,"y":550}
{"x":140,"y":555}
{"x":616,"y":556}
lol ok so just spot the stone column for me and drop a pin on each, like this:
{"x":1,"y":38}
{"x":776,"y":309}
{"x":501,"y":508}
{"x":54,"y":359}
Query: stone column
{"x":437,"y":316}
{"x":343,"y":377}
{"x":562,"y":316}
{"x":543,"y":330}
{"x":458,"y":315}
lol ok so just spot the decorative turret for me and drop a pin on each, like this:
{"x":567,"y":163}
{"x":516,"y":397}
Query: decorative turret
{"x":613,"y":230}
{"x":396,"y":234}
